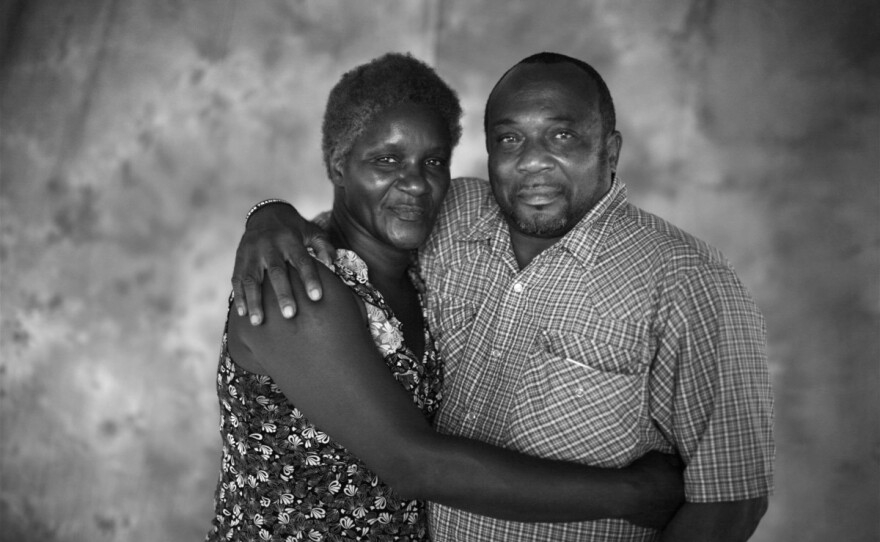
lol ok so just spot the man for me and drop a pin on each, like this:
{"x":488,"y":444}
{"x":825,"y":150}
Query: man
{"x":575,"y":326}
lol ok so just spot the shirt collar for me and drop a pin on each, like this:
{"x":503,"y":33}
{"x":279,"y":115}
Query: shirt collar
{"x":580,"y":242}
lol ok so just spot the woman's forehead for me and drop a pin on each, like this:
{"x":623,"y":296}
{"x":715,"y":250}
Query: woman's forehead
{"x":407,"y":122}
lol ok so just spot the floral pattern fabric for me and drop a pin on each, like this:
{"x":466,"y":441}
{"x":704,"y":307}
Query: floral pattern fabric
{"x":283,"y":479}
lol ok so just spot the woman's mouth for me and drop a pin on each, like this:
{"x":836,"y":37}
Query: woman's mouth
{"x":410,"y":213}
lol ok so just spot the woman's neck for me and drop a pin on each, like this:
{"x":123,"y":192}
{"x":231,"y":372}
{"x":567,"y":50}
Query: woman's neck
{"x":384,"y":262}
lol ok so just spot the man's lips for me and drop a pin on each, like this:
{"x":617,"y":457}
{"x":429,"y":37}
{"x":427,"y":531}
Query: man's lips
{"x":539,"y":195}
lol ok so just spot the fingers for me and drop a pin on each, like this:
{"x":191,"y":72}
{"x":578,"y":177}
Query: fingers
{"x":281,"y":284}
{"x":243,"y":281}
{"x":238,"y":298}
{"x":284,"y":249}
{"x":254,"y":296}
{"x":305,"y":266}
{"x":267,"y":247}
{"x":324,"y":251}
{"x":247,"y":278}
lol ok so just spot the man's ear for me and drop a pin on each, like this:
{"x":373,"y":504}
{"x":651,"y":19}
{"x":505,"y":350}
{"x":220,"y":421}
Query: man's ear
{"x":613,"y":143}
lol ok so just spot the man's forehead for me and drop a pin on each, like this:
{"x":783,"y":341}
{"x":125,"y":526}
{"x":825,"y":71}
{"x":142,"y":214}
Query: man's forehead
{"x":543,"y":75}
{"x":548,"y":90}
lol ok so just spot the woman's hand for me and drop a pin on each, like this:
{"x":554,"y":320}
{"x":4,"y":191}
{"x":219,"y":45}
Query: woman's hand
{"x":277,"y":235}
{"x":661,"y":488}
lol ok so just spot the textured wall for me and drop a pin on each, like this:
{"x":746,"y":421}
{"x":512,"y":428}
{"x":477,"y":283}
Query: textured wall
{"x":135,"y":134}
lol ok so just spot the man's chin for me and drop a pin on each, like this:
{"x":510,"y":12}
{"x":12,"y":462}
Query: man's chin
{"x":542,"y":226}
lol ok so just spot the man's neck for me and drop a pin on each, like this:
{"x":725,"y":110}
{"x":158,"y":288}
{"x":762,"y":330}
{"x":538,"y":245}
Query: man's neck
{"x":526,"y":247}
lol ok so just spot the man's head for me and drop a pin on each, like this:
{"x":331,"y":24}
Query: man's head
{"x":552,"y":143}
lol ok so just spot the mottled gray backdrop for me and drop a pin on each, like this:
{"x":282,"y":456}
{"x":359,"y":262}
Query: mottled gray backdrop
{"x":136,"y":134}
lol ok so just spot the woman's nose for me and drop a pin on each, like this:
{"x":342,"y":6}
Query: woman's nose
{"x":412,"y":181}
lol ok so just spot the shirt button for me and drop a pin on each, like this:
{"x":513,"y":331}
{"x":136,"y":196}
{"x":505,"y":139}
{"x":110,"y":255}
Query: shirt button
{"x":470,"y":416}
{"x":518,"y":287}
{"x":580,"y":392}
{"x":495,"y":353}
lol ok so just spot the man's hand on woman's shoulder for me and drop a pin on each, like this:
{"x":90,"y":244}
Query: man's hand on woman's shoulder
{"x":276,"y":235}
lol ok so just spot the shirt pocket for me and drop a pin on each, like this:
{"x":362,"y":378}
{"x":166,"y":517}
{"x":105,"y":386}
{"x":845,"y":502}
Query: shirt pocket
{"x":455,"y":318}
{"x":582,"y":396}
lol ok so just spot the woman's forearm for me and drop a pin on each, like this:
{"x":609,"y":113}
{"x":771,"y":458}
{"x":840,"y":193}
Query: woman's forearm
{"x":326,"y":363}
{"x":504,"y":484}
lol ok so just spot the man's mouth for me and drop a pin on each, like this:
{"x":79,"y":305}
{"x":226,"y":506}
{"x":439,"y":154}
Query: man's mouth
{"x":539,"y":195}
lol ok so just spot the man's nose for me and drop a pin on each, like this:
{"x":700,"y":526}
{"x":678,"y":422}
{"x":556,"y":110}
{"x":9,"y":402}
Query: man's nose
{"x":534,"y":157}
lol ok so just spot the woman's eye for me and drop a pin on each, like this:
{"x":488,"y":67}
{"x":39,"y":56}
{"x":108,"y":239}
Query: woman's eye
{"x":435,"y":162}
{"x":507,"y":139}
{"x":386,"y":160}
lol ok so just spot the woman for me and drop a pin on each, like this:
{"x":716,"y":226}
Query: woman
{"x":389,"y":130}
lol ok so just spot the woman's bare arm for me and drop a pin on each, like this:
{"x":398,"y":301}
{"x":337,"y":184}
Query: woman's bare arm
{"x":326,"y":363}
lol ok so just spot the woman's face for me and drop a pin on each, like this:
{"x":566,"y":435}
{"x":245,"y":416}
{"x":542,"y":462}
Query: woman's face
{"x":396,"y":175}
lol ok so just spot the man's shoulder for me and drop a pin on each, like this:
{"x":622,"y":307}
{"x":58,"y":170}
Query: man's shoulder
{"x":663,"y":241}
{"x":467,"y":191}
{"x":464,"y":202}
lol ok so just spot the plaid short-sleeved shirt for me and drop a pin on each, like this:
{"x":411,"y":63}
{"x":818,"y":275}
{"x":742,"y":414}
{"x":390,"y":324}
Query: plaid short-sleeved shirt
{"x":628,"y":335}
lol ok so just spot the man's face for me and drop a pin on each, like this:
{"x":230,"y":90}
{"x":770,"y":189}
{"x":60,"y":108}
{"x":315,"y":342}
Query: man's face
{"x":549,"y":161}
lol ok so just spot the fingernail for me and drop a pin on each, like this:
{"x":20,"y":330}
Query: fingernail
{"x":241,"y":311}
{"x":255,"y":319}
{"x":314,"y":294}
{"x":287,"y":312}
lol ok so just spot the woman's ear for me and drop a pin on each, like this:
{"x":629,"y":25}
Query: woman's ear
{"x":336,"y":167}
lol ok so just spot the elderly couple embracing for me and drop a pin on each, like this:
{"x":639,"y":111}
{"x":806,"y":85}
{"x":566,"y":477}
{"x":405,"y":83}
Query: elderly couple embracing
{"x":528,"y":358}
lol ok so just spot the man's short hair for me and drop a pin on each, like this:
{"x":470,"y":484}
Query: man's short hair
{"x":606,"y":104}
{"x":372,"y":88}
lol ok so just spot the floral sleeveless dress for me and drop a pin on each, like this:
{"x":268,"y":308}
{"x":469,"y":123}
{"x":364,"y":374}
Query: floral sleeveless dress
{"x":283,"y":479}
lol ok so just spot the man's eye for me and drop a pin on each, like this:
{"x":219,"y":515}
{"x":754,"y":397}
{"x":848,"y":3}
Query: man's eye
{"x":564,"y":134}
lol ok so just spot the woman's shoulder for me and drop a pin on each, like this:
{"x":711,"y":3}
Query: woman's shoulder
{"x":349,"y":265}
{"x":339,"y":304}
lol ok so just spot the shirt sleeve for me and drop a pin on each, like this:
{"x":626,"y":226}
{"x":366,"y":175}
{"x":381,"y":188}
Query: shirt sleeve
{"x":718,"y":409}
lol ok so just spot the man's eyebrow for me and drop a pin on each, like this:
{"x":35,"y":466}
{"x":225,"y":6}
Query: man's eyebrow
{"x":502,"y":121}
{"x":554,"y":118}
